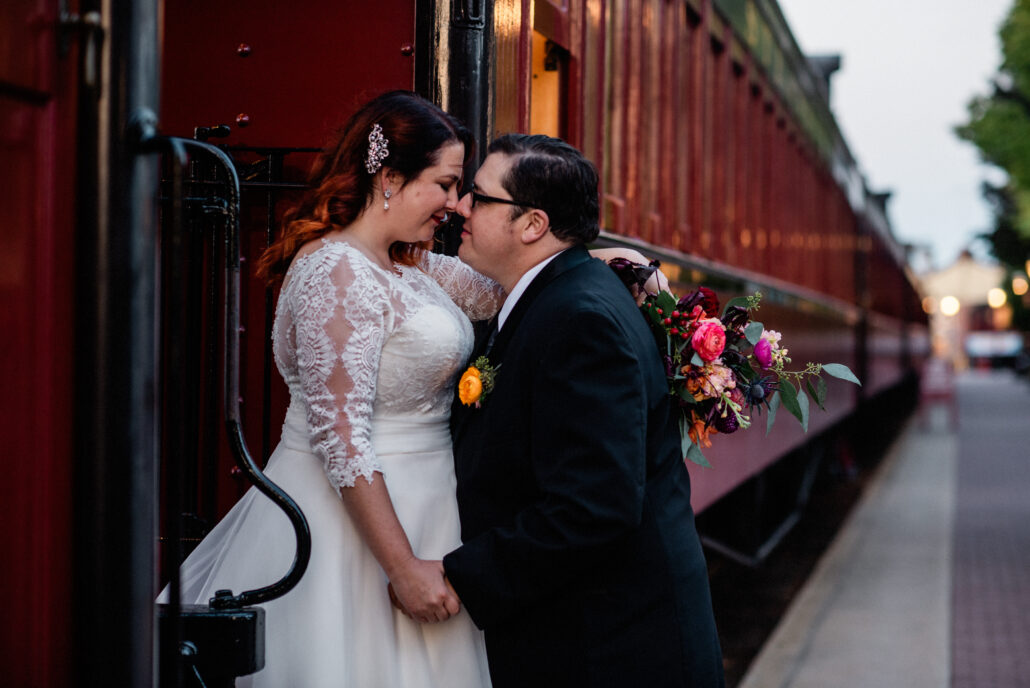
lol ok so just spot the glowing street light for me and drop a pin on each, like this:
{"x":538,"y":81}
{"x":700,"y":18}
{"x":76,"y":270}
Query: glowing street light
{"x":949,"y":306}
{"x":996,"y":297}
{"x":1019,"y":285}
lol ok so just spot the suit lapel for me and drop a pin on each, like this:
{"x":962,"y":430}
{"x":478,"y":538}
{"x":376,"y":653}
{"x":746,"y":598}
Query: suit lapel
{"x":565,"y":261}
{"x":459,"y":412}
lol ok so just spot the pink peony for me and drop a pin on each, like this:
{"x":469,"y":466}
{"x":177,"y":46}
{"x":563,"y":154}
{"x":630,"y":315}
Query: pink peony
{"x":709,"y":339}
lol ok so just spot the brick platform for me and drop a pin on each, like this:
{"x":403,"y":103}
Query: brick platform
{"x":991,"y":552}
{"x":928,"y":583}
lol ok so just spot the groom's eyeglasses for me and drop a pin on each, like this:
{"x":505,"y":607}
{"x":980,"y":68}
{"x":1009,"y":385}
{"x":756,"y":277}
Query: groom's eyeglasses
{"x":483,"y":198}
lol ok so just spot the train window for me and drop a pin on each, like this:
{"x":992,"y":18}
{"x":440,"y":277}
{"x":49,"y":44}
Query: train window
{"x":547,"y":111}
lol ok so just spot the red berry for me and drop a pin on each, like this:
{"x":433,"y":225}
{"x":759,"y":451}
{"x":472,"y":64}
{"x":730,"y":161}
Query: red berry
{"x":674,"y":331}
{"x":667,"y":321}
{"x":683,"y":335}
{"x":659,"y":311}
{"x":675,"y":314}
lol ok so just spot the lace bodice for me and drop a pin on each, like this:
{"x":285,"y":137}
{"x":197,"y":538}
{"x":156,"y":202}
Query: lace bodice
{"x":353,"y":341}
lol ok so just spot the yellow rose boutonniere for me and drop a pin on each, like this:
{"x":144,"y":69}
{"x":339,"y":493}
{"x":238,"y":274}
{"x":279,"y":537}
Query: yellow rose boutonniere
{"x":476,"y":382}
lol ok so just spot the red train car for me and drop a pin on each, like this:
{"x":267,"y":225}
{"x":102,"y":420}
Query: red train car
{"x":718,"y":154}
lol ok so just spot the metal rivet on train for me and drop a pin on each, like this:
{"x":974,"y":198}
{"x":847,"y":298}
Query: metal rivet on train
{"x":242,"y":119}
{"x":243,"y":50}
{"x":407,"y":50}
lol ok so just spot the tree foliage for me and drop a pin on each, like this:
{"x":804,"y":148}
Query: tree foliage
{"x":999,"y":126}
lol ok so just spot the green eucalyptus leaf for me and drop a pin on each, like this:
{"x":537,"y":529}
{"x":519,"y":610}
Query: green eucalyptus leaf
{"x":774,"y":405}
{"x":753,"y":332}
{"x":803,"y":405}
{"x":745,"y":371}
{"x":695,"y":455}
{"x":667,"y":302}
{"x":652,"y":315}
{"x":841,"y":371}
{"x":789,"y":396}
{"x":814,"y":392}
{"x":696,"y":360}
{"x":740,"y":301}
{"x":684,"y":434}
{"x":687,"y":447}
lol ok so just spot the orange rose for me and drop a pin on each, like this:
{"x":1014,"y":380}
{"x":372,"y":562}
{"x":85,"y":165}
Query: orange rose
{"x":470,"y":387}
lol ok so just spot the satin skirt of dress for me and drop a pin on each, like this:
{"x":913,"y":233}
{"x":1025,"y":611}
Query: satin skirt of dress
{"x":337,"y":627}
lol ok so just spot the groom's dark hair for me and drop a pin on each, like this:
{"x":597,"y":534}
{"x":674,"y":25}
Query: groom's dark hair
{"x":554,"y":177}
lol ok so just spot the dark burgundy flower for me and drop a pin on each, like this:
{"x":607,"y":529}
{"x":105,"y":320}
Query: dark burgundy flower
{"x":734,"y":359}
{"x":702,"y":296}
{"x":632,"y":274}
{"x":735,"y":317}
{"x":670,"y":365}
{"x":727,"y":424}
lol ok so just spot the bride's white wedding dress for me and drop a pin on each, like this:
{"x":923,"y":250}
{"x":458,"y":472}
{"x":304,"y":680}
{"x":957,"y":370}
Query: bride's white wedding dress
{"x":371,"y":358}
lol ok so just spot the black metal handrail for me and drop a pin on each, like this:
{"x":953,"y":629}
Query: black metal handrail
{"x":225,"y":599}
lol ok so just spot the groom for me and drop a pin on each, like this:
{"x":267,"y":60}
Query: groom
{"x":580,"y":558}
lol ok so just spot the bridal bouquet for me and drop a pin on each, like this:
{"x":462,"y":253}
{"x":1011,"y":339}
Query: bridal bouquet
{"x":723,"y":368}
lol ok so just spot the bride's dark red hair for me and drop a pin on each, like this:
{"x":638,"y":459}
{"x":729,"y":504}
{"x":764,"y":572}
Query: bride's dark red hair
{"x":340,"y":186}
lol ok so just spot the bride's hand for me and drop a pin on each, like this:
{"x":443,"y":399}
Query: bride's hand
{"x":396,"y":602}
{"x":657,"y":282}
{"x":422,"y":591}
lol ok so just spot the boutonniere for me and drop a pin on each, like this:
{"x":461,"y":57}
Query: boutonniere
{"x":477,"y":382}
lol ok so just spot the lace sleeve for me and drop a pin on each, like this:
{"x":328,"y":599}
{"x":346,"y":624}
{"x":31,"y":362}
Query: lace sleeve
{"x":341,"y":316}
{"x":478,"y":296}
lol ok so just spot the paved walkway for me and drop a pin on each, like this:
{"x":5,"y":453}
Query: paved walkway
{"x":928,"y":583}
{"x":991,"y":630}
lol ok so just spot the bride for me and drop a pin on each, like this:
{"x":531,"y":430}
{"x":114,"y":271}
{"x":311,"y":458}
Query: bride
{"x":370,"y":332}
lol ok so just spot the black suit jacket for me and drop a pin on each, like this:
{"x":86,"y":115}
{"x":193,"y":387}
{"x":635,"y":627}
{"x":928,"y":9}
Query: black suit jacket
{"x":580,"y":558}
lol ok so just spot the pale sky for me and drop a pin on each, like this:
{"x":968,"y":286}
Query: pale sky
{"x":908,"y":69}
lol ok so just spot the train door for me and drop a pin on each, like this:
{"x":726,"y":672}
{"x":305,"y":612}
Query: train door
{"x":39,"y":63}
{"x":267,"y":83}
{"x":257,"y":87}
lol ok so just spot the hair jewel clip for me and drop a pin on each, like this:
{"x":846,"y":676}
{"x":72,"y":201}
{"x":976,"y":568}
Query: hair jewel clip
{"x":377,"y":149}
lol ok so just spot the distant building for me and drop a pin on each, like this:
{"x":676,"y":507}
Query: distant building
{"x":969,"y":318}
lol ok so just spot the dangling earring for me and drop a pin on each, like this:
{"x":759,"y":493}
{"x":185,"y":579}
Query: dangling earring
{"x":386,"y":203}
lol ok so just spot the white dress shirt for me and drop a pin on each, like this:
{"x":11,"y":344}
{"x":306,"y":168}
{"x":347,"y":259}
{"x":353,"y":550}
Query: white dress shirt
{"x":520,"y":288}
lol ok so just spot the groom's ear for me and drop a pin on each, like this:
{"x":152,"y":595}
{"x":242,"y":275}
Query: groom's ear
{"x":536,"y":226}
